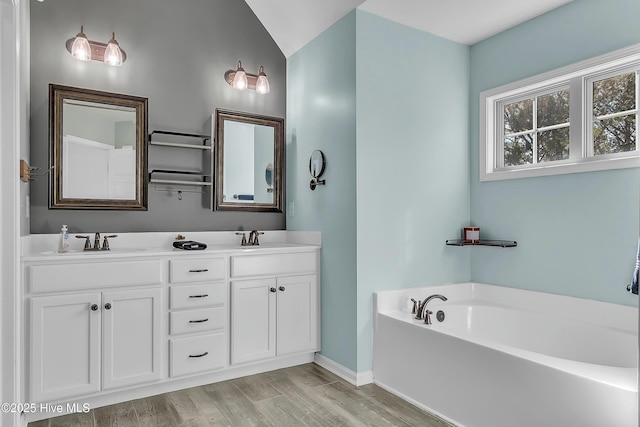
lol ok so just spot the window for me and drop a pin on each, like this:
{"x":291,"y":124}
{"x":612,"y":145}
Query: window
{"x":579,"y":118}
{"x":614,"y":113}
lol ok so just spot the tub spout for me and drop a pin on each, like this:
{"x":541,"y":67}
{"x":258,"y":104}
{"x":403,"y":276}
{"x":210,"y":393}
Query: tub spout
{"x":422,"y":307}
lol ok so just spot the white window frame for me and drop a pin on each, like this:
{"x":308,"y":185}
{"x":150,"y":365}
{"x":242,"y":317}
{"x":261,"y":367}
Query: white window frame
{"x":578,"y":78}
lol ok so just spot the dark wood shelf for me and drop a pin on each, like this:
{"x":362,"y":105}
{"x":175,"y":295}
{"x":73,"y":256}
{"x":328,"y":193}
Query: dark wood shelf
{"x":482,"y":242}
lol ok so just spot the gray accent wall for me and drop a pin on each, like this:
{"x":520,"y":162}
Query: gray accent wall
{"x":177,"y":54}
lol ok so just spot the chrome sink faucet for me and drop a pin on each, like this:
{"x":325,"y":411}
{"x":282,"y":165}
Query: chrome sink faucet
{"x":253,"y":238}
{"x":96,"y":242}
{"x":421,"y":310}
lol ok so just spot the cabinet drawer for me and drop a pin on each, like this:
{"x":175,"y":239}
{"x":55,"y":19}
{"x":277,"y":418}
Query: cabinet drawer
{"x":68,"y":277}
{"x":274,"y":264}
{"x":204,"y":319}
{"x":196,"y":270}
{"x":201,"y":295}
{"x":197,"y":354}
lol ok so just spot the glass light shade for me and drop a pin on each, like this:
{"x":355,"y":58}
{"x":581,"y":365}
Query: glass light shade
{"x":262,"y":84}
{"x":112,"y":53}
{"x":240,"y":79}
{"x":80,"y":48}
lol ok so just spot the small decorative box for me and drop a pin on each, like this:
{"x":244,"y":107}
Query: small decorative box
{"x":471,"y":234}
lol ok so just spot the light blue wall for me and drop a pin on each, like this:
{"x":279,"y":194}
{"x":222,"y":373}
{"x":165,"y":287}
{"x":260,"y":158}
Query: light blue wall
{"x":576,"y":233}
{"x":412,"y":162}
{"x":402,"y":175}
{"x":321,"y":115}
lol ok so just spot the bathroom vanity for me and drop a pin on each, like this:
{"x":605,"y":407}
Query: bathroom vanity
{"x":109,"y":326}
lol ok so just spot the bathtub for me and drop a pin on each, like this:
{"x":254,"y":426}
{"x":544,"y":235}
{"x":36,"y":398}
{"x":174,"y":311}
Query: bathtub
{"x":505,"y":357}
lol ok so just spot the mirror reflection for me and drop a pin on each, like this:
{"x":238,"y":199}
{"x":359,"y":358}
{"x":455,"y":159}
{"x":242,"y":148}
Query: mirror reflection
{"x":98,"y":149}
{"x":249,"y":155}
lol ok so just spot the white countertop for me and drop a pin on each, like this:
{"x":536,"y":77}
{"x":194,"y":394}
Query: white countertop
{"x":43,"y":247}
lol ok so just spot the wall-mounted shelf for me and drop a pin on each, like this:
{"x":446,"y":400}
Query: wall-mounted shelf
{"x":482,"y":242}
{"x":155,"y":180}
{"x":168,"y":179}
{"x":159,"y":133}
{"x":179,"y":145}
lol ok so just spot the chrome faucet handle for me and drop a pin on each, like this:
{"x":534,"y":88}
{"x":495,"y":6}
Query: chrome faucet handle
{"x":87,"y":242}
{"x":96,"y":242}
{"x":413,"y":310}
{"x":419,"y":310}
{"x":105,"y":243}
{"x":427,"y":317}
{"x":255,"y":237}
{"x":244,"y":238}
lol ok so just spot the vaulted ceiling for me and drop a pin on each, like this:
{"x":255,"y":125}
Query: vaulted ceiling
{"x":294,"y":23}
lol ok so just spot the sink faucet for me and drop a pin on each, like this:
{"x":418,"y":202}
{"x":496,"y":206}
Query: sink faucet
{"x":253,"y":238}
{"x":421,"y":309}
{"x":96,"y":242}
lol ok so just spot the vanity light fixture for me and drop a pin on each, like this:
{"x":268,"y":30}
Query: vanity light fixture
{"x":83,"y":49}
{"x":242,"y":80}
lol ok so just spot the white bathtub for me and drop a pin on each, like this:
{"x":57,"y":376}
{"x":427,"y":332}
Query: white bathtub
{"x":505,"y":357}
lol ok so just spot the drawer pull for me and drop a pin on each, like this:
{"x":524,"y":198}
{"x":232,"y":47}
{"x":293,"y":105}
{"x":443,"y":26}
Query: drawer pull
{"x":94,"y":307}
{"x":272,"y":289}
{"x":199,"y":321}
{"x":203,"y":270}
{"x":199,"y":355}
{"x":281,"y":288}
{"x":199,"y":296}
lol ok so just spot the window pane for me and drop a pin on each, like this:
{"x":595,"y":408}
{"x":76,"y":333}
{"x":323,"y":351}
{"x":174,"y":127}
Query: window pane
{"x":518,"y":150}
{"x":553,"y":109}
{"x":614,"y":95}
{"x":518,"y":116}
{"x":553,"y":145}
{"x":615,"y":135}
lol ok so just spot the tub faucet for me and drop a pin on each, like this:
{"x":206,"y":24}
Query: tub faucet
{"x":422,"y":312}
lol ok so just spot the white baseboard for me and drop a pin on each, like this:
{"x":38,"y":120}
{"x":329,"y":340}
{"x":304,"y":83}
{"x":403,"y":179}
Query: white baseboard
{"x":355,"y":378}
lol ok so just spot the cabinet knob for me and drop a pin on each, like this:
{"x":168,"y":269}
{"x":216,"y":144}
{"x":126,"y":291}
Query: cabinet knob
{"x":94,"y":307}
{"x":272,"y":289}
{"x":107,"y":306}
{"x":281,"y":288}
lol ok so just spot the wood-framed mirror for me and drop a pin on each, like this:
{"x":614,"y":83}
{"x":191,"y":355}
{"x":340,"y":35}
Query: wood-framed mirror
{"x":97,"y":149}
{"x":249,"y":155}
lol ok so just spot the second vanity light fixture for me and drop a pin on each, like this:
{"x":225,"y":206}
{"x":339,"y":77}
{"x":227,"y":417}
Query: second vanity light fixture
{"x":242,"y":80}
{"x":83,"y":49}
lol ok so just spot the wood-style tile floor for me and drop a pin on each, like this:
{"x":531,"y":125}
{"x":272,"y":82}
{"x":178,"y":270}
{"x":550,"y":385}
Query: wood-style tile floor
{"x":305,"y":395}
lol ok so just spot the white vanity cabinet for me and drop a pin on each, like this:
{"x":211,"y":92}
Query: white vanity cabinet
{"x":92,"y":326}
{"x":87,"y":342}
{"x":107,"y":327}
{"x":274,"y":315}
{"x":198,"y":316}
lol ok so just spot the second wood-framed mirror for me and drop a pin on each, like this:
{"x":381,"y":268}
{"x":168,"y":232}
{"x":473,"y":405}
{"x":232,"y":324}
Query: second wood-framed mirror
{"x":97,"y":149}
{"x":249,"y":162}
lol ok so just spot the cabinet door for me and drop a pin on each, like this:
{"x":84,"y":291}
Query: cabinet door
{"x":253,"y":308}
{"x":297,"y":317}
{"x":65,"y":346}
{"x":131,"y":337}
